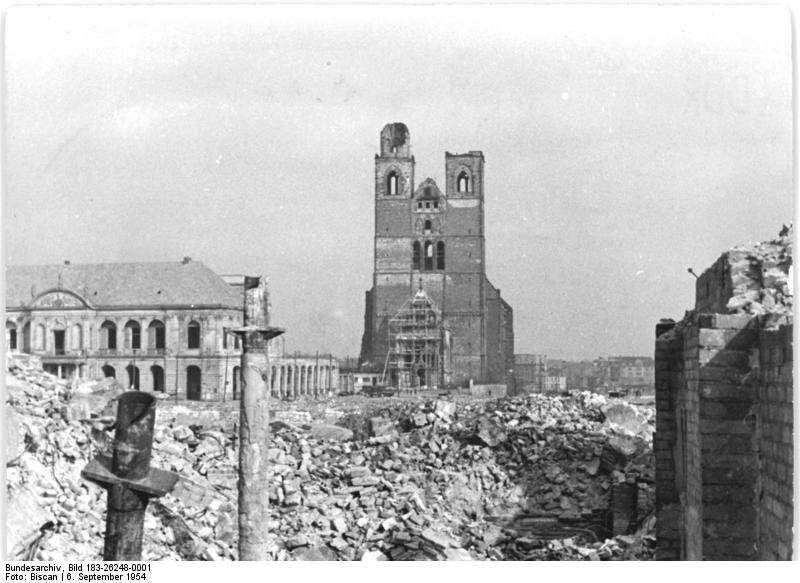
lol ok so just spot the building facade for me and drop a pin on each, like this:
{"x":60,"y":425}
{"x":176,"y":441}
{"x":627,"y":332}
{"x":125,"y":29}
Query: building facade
{"x":530,"y":371}
{"x":432,"y":239}
{"x":154,"y":326}
{"x":160,"y":327}
{"x":635,"y":373}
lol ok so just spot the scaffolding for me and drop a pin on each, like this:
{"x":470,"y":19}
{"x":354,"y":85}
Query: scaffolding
{"x":419,"y":345}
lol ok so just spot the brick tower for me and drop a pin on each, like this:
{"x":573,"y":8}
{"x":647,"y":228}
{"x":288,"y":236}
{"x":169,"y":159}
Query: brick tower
{"x":433,"y":239}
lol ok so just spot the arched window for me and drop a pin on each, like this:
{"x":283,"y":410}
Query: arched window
{"x":237,"y":374}
{"x":108,"y":371}
{"x":428,"y":256}
{"x":158,"y":378}
{"x":133,"y":335}
{"x":156,"y":335}
{"x":193,"y":387}
{"x":392,"y":183}
{"x":415,"y":255}
{"x":76,"y":341}
{"x":108,"y":335}
{"x":193,"y":335}
{"x":428,"y":225}
{"x":133,"y":377}
{"x":462,"y":182}
{"x":440,"y":255}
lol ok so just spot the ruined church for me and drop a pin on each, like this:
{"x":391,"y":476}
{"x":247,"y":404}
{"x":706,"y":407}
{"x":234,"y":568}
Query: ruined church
{"x":433,"y":319}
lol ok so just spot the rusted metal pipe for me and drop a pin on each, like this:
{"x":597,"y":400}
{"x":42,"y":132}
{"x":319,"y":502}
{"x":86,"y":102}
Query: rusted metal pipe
{"x":128,"y":477}
{"x":254,"y":421}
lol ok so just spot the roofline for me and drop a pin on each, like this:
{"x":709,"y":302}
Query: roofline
{"x":156,"y":308}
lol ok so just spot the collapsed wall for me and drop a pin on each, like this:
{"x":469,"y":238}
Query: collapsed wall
{"x":723,"y":441}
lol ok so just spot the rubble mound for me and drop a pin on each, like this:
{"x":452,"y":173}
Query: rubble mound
{"x":521,"y":478}
{"x":761,"y":274}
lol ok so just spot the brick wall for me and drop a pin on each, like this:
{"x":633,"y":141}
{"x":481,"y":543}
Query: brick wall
{"x":728,"y":447}
{"x":668,"y":364}
{"x":723,"y":441}
{"x":775,"y":443}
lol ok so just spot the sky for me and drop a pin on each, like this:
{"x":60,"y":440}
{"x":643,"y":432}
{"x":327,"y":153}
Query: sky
{"x":623,"y":145}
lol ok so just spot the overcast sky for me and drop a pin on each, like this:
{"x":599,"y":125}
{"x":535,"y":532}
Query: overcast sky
{"x":622,"y":145}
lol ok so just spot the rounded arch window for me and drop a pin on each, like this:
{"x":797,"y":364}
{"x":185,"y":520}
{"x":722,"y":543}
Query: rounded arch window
{"x":428,"y":256}
{"x":440,"y":255}
{"x":133,"y":335}
{"x":463,"y":182}
{"x":108,"y":335}
{"x":392,"y":183}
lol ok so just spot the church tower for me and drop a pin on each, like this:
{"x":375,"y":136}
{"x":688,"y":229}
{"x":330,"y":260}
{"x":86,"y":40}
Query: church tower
{"x":432,"y":239}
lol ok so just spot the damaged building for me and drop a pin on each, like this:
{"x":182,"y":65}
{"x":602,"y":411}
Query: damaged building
{"x":724,"y":423}
{"x":157,"y":327}
{"x":153,"y":326}
{"x":430,"y":249}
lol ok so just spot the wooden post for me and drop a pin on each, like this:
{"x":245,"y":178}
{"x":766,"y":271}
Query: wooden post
{"x":128,"y":478}
{"x":254,"y":421}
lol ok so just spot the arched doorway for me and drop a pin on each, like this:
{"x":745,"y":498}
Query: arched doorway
{"x":108,"y":371}
{"x":133,"y":377}
{"x":193,"y":378}
{"x":158,"y":378}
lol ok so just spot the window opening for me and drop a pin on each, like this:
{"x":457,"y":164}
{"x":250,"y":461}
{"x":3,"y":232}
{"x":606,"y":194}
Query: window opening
{"x":108,"y":335}
{"x":415,"y":251}
{"x":391,"y":183}
{"x":157,"y":335}
{"x":193,"y":336}
{"x":58,"y":336}
{"x":428,"y":256}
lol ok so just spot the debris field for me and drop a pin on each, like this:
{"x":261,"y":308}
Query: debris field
{"x":352,"y":478}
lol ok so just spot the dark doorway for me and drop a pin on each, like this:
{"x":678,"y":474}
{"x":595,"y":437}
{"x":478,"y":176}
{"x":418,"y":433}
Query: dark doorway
{"x":58,"y":336}
{"x":193,"y":377}
{"x":158,"y":378}
{"x":108,"y":371}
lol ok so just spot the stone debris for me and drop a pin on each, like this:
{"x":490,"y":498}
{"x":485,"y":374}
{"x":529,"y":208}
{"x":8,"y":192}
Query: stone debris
{"x":761,"y":275}
{"x":520,"y":478}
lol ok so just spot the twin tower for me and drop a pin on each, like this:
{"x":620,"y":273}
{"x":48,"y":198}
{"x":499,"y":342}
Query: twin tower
{"x":432,"y":239}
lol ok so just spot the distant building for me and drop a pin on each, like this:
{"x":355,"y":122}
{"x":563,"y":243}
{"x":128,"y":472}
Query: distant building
{"x":160,"y":327}
{"x":530,"y":371}
{"x":432,"y":238}
{"x":627,"y":372}
{"x":555,"y":384}
{"x":154,"y":326}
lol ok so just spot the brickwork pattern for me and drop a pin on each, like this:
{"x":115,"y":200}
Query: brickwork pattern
{"x":775,"y":443}
{"x":723,"y":441}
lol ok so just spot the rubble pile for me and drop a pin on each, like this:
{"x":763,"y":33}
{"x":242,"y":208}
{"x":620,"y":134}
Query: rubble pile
{"x":761,"y":276}
{"x":522,"y":478}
